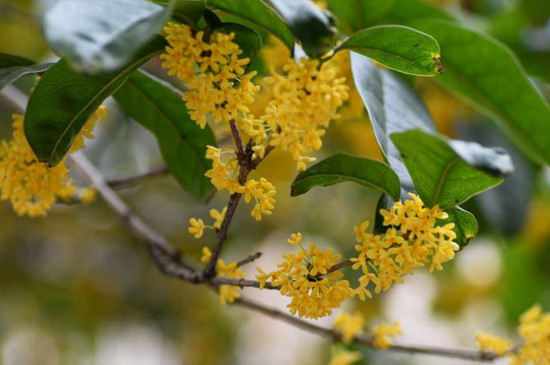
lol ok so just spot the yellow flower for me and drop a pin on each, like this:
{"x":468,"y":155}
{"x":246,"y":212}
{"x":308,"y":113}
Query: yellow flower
{"x":304,"y":277}
{"x":33,"y":187}
{"x":218,"y":217}
{"x":383,"y":335}
{"x":345,"y":357}
{"x":206,"y":255}
{"x":196,"y":227}
{"x":295,"y":239}
{"x":411,"y":240}
{"x":348,"y":325}
{"x":88,"y":195}
{"x":489,"y":343}
{"x":228,"y":293}
{"x":534,"y":330}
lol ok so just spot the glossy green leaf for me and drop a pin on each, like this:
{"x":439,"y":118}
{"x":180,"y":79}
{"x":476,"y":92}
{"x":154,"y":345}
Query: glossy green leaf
{"x":181,"y":142}
{"x":249,"y":40}
{"x":188,"y":11}
{"x":342,"y":167}
{"x":13,"y":67}
{"x":101,"y":35}
{"x":397,"y":47}
{"x":487,"y":74}
{"x":392,"y":106}
{"x":313,"y":27}
{"x":448,"y":174}
{"x":357,"y":14}
{"x":258,"y":13}
{"x":466,"y":226}
{"x":64,"y":100}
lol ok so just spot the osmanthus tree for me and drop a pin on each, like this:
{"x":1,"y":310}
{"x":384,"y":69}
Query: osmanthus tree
{"x":273,"y":75}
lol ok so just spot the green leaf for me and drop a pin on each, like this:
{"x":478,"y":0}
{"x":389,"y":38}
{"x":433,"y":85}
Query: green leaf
{"x":249,"y":40}
{"x":13,"y":67}
{"x":64,"y":100}
{"x":357,"y":14}
{"x":398,"y":47}
{"x":466,"y":226}
{"x":259,"y":13}
{"x":313,"y":27}
{"x":101,"y":35}
{"x":342,"y":167}
{"x":405,"y":11}
{"x":188,"y":11}
{"x":181,"y":142}
{"x":392,"y":106}
{"x":487,"y":74}
{"x":448,"y":174}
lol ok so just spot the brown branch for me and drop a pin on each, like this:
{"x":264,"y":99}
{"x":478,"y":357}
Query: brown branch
{"x":249,"y":259}
{"x":135,"y":179}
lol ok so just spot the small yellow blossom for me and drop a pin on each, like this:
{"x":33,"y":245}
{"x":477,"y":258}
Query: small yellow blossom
{"x":206,"y":255}
{"x":295,"y":239}
{"x":305,"y":277}
{"x":88,"y":195}
{"x":411,"y":240}
{"x":349,"y":325}
{"x":31,"y":186}
{"x":229,"y":293}
{"x":384,"y":334}
{"x":494,"y":344}
{"x":196,"y":227}
{"x":218,"y":217}
{"x":345,"y":357}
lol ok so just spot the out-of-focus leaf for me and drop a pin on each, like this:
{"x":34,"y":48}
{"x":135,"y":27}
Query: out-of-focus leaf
{"x":393,"y":107}
{"x":312,"y":26}
{"x":182,"y":143}
{"x":448,"y":174}
{"x":342,"y":167}
{"x":249,"y":40}
{"x":486,"y":73}
{"x":13,"y":67}
{"x":102,"y":35}
{"x":405,"y":11}
{"x":398,"y":47}
{"x":64,"y":100}
{"x":258,"y":13}
{"x":466,"y":226}
{"x":357,"y":14}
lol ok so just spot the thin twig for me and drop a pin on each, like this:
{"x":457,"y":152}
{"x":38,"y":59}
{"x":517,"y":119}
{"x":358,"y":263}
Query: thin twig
{"x":249,"y":259}
{"x":135,"y":179}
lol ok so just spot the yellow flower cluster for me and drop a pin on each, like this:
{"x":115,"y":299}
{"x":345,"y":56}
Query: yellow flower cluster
{"x":348,"y":325}
{"x":411,"y":241}
{"x":305,"y":99}
{"x":305,"y":277}
{"x":196,"y":226}
{"x":228,"y":293}
{"x":489,"y":343}
{"x":211,"y":70}
{"x":383,"y":335}
{"x":344,"y":357}
{"x":33,"y":187}
{"x":224,"y":176}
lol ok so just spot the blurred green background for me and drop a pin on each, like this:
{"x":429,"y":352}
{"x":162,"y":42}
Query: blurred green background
{"x":76,"y":288}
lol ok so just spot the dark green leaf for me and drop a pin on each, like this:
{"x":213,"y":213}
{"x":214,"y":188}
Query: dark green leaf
{"x":189,"y":11}
{"x":400,"y":48}
{"x":312,"y":26}
{"x":64,"y":100}
{"x":259,"y":13}
{"x":487,"y":74}
{"x":101,"y":35}
{"x":10,"y":60}
{"x":393,"y":107}
{"x":449,"y":174}
{"x":405,"y":11}
{"x":357,"y":14}
{"x":182,"y":143}
{"x":466,"y":226}
{"x":13,"y":67}
{"x":341,"y":167}
{"x":249,"y":41}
